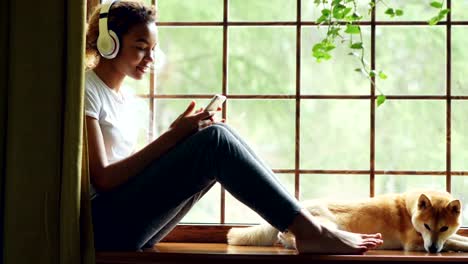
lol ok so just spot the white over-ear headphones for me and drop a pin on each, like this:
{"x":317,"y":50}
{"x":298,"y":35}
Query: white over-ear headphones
{"x":107,"y":43}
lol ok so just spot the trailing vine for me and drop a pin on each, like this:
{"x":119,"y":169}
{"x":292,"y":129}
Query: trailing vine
{"x":342,"y":21}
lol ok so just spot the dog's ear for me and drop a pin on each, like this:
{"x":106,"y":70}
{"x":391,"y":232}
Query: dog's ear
{"x":454,"y":207}
{"x":424,"y":202}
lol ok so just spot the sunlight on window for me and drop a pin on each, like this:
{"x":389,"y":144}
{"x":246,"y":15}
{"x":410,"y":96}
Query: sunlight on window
{"x":262,"y":10}
{"x":410,"y":135}
{"x":262,"y":60}
{"x":334,"y":187}
{"x":335,"y":131}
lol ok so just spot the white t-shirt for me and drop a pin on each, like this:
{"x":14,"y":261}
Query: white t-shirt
{"x":117,"y":116}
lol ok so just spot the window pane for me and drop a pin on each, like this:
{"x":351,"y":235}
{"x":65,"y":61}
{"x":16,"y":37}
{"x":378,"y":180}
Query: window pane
{"x":336,"y":76}
{"x":459,"y":187}
{"x":335,"y":134}
{"x":459,"y":8}
{"x":237,"y":212}
{"x":459,"y":60}
{"x":262,"y":10}
{"x":262,"y":60}
{"x":414,"y":10}
{"x":413,"y":66}
{"x":310,"y":11}
{"x":190,"y":11}
{"x":403,"y":183}
{"x":459,"y":135}
{"x":207,"y":209}
{"x":410,"y":135}
{"x":268,"y":127}
{"x":329,"y":186}
{"x":193,"y":60}
{"x":287,"y":180}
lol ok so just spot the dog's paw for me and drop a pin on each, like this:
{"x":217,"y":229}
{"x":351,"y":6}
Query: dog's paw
{"x":287,"y":239}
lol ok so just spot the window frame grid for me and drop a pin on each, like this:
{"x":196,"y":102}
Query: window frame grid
{"x":448,"y":98}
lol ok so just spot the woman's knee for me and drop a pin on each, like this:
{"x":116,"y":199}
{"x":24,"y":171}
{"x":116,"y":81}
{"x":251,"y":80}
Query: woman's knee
{"x":218,"y":138}
{"x":217,"y":132}
{"x":221,"y":124}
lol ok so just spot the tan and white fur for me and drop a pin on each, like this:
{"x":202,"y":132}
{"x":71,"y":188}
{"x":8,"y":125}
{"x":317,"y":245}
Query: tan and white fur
{"x":413,"y":221}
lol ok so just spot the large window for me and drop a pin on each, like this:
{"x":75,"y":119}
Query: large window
{"x":317,"y":124}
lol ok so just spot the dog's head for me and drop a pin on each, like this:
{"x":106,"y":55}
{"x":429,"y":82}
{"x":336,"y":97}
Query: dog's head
{"x":436,"y":219}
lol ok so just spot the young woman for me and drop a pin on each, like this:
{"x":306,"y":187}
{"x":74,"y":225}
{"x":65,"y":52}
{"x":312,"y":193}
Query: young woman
{"x":141,"y":196}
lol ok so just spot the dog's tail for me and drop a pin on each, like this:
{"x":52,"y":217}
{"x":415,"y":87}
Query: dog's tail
{"x":260,"y":235}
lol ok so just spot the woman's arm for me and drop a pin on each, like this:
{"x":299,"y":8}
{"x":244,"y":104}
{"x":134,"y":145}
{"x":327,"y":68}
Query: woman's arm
{"x":106,"y":176}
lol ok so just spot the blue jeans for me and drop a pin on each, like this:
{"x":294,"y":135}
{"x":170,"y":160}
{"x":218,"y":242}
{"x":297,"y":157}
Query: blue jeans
{"x":144,"y":210}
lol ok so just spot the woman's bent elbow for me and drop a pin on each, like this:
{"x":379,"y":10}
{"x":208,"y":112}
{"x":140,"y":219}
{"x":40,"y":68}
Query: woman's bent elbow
{"x":101,"y":183}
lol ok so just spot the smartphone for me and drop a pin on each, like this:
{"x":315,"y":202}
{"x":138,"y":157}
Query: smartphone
{"x":215,"y":102}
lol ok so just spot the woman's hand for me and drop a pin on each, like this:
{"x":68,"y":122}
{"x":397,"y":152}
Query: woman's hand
{"x":214,"y":118}
{"x":191,"y":121}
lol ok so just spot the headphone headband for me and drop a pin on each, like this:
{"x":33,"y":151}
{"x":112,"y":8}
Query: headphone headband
{"x":105,"y":7}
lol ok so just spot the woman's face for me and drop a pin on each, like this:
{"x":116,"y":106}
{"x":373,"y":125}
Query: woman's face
{"x":137,"y":50}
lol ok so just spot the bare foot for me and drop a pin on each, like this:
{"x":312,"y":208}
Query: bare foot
{"x":376,"y":238}
{"x":333,"y":241}
{"x":311,"y":237}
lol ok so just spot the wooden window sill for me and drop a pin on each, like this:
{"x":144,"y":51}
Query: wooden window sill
{"x":169,"y":252}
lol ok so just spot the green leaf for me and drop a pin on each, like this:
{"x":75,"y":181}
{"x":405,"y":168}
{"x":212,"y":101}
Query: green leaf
{"x":338,"y":11}
{"x":357,"y":45}
{"x":352,"y":29}
{"x":333,"y":32}
{"x":380,"y":100}
{"x":329,"y":47}
{"x":436,"y":4}
{"x":390,"y":12}
{"x":433,"y":21}
{"x":320,"y":51}
{"x":321,"y":56}
{"x":444,"y":12}
{"x":322,"y":19}
{"x":346,"y":11}
{"x":317,"y":47}
{"x":326,"y":12}
{"x":399,"y":12}
{"x":372,"y":73}
{"x":382,"y":75}
{"x":355,"y":16}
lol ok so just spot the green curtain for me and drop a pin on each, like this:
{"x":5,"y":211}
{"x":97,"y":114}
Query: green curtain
{"x":3,"y":102}
{"x":44,"y":209}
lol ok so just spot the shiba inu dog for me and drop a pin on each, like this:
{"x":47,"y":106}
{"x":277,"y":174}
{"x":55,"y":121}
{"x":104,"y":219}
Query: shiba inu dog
{"x":413,"y":221}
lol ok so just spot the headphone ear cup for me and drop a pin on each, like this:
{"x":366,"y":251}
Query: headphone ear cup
{"x":116,"y":42}
{"x":105,"y":44}
{"x":108,"y":44}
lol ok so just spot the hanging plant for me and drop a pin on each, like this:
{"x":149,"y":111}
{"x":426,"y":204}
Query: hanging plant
{"x":341,"y":19}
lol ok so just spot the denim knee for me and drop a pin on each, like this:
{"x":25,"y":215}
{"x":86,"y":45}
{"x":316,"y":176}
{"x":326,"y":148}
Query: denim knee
{"x":216,"y":132}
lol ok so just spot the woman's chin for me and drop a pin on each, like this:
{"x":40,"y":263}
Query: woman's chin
{"x":137,"y":75}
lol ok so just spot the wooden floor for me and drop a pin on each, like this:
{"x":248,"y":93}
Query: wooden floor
{"x":222,"y":253}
